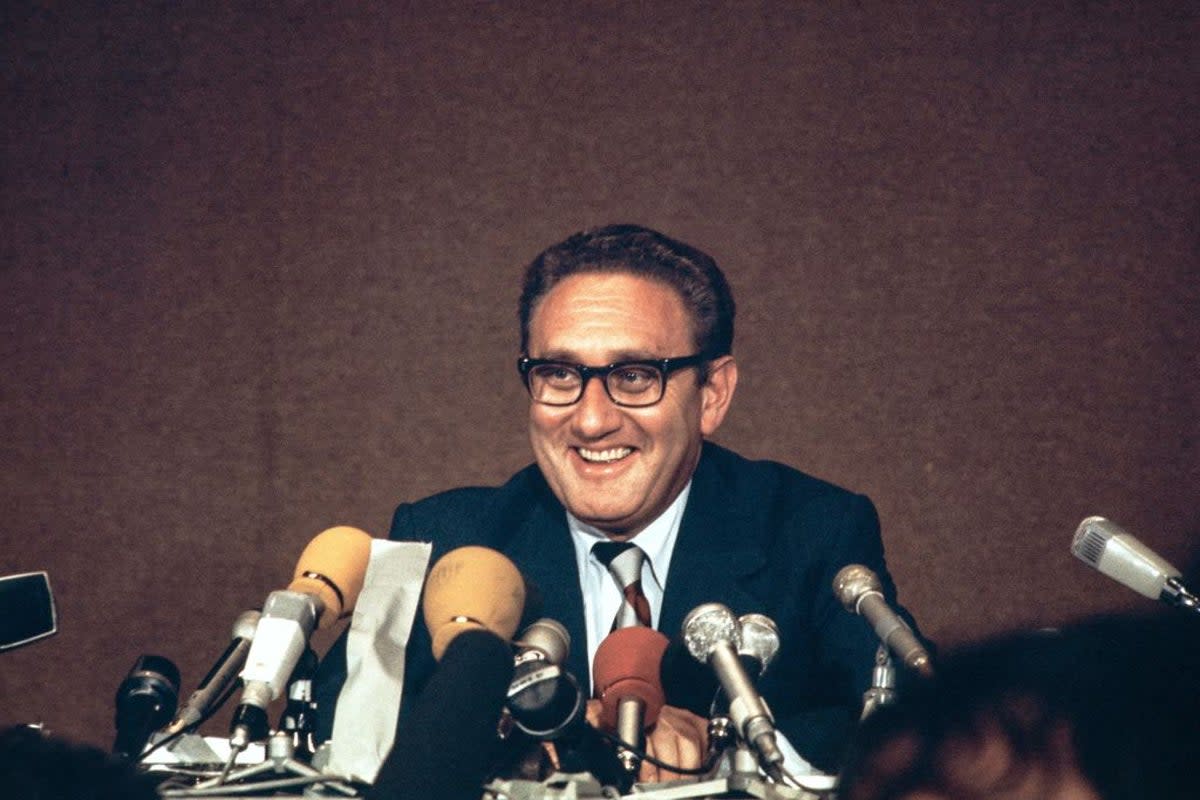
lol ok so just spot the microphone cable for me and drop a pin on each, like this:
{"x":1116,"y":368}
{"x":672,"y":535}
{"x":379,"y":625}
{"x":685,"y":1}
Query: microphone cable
{"x":166,"y":741}
{"x":616,"y":741}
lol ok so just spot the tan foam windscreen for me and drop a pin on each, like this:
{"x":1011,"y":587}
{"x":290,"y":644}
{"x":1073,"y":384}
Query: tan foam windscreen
{"x":336,"y":557}
{"x":472,"y":587}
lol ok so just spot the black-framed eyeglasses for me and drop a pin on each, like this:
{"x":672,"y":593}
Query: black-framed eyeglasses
{"x":628,"y":383}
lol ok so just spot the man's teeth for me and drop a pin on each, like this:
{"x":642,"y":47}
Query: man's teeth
{"x":611,"y":454}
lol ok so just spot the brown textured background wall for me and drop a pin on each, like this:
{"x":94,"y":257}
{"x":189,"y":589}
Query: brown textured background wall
{"x":259,"y":277}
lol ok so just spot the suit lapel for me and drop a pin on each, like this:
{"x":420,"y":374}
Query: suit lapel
{"x":541,"y":548}
{"x":715,"y":549}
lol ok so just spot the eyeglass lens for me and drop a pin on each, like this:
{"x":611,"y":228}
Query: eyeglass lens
{"x":629,"y":384}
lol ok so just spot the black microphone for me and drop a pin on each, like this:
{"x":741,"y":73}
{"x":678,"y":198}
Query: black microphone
{"x":219,"y":678}
{"x":713,"y":636}
{"x":545,"y":702}
{"x":145,"y":701}
{"x":299,"y":717}
{"x":1106,"y":547}
{"x":447,"y":742}
{"x":859,"y":590}
{"x":543,"y":698}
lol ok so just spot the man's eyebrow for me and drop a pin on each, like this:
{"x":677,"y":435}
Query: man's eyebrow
{"x":619,"y":356}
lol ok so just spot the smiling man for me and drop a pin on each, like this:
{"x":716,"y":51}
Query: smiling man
{"x":626,"y":351}
{"x":617,"y":450}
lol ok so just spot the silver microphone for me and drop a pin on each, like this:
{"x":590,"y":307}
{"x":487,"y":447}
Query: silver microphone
{"x":713,"y":636}
{"x":544,"y":640}
{"x":1108,"y":548}
{"x":759,"y":639}
{"x":860,"y":591}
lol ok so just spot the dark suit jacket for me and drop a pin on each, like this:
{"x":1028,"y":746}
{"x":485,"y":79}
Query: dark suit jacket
{"x":756,"y":535}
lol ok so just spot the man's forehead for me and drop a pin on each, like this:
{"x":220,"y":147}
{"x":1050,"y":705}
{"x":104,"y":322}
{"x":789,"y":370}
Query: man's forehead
{"x":616,"y":316}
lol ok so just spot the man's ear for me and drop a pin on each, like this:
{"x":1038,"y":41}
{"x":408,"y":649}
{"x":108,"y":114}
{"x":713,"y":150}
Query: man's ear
{"x":717,"y":393}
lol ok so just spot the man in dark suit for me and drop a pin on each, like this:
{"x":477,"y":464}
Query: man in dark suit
{"x":626,"y":338}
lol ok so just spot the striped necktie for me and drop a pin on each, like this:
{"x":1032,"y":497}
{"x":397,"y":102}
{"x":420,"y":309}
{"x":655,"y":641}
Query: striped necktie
{"x":624,"y":563}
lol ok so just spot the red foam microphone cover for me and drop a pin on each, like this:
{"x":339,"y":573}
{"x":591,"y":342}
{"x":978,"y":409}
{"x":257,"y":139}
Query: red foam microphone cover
{"x":628,"y":664}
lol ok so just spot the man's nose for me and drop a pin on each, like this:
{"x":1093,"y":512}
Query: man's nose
{"x":596,"y":415}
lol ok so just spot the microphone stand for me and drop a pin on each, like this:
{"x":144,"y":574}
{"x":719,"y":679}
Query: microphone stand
{"x":743,"y":780}
{"x":1176,"y":594}
{"x":290,"y":748}
{"x":299,"y":719}
{"x":883,"y":683}
{"x":280,"y":761}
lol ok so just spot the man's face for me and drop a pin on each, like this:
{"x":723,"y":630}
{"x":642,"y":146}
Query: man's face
{"x":614,"y":467}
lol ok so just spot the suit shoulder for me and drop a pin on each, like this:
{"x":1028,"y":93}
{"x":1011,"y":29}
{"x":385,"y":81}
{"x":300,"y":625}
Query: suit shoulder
{"x":766,"y":482}
{"x":468,"y":514}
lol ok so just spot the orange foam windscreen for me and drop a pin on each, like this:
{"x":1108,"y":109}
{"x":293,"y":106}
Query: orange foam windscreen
{"x":332,"y":568}
{"x":472,"y":587}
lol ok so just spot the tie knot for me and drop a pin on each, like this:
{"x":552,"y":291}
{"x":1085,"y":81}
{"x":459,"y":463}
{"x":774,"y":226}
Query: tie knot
{"x":606,"y":551}
{"x":623,"y":560}
{"x":624,"y":563}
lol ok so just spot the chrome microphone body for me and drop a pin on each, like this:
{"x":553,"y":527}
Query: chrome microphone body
{"x":859,"y":590}
{"x":543,"y":699}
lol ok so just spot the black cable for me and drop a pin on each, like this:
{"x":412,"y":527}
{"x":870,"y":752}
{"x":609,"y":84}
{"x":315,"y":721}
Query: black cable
{"x":613,"y":739}
{"x":174,"y":737}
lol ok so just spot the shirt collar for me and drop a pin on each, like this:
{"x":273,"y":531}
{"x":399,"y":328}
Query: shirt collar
{"x":657,"y":539}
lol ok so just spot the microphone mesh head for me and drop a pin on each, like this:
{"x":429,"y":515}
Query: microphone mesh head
{"x":708,"y":625}
{"x":1091,"y":537}
{"x":852,"y":582}
{"x":760,"y":638}
{"x":1110,"y":550}
{"x":548,"y":636}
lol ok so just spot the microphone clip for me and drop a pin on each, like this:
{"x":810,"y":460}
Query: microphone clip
{"x":883,"y":682}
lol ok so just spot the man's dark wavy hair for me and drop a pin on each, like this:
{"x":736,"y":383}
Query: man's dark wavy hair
{"x":635,"y":250}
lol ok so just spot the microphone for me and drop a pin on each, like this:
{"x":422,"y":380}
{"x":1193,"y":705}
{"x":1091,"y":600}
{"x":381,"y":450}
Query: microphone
{"x":859,"y":590}
{"x":472,"y":588}
{"x":1108,"y":548}
{"x":546,"y":703}
{"x":446,"y":744}
{"x":219,"y":678}
{"x":299,"y":715}
{"x":145,"y":701}
{"x":626,"y":672}
{"x":325,"y":586}
{"x":544,"y":640}
{"x":713,"y":636}
{"x":543,"y":698}
{"x":758,"y":643}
